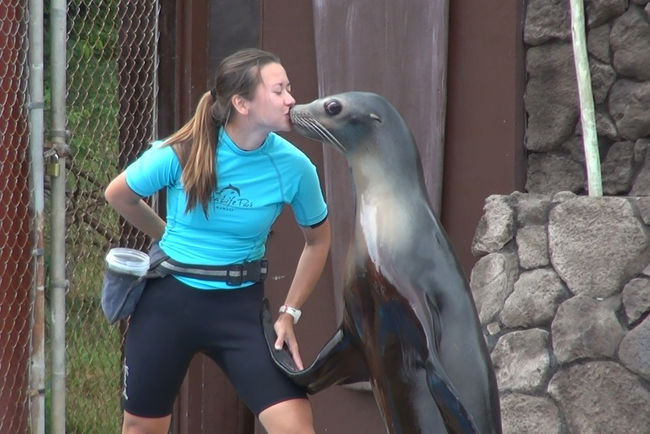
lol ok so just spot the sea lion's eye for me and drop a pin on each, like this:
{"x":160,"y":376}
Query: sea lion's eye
{"x":333,"y":107}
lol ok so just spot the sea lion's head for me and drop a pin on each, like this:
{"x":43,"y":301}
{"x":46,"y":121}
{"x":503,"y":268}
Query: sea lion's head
{"x":348,"y":120}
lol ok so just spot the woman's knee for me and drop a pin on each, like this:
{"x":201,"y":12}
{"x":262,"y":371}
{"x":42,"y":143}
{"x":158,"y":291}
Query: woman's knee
{"x":288,"y":417}
{"x":145,"y":425}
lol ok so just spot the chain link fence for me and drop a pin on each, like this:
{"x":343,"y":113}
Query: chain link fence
{"x":110,"y":110}
{"x":110,"y":74}
{"x":15,"y":233}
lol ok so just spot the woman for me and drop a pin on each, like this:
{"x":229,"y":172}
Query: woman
{"x":227,"y":176}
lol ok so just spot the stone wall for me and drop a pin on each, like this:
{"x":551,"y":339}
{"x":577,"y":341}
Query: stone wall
{"x":562,"y":289}
{"x":618,"y":39}
{"x":562,"y":286}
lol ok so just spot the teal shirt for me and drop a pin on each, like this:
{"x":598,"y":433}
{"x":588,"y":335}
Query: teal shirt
{"x":252,"y":188}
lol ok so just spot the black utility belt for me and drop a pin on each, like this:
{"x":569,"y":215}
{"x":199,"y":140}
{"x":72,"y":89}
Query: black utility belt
{"x":233,"y":274}
{"x":121,"y":292}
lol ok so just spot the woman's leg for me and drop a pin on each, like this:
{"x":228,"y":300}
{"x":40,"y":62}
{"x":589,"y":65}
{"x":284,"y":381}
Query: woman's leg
{"x":145,"y":425}
{"x":288,"y":417}
{"x":239,"y":347}
{"x":158,"y":348}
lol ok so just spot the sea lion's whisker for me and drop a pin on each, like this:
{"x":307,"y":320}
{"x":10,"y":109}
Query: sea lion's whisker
{"x":310,"y":127}
{"x":314,"y":126}
{"x":324,"y":132}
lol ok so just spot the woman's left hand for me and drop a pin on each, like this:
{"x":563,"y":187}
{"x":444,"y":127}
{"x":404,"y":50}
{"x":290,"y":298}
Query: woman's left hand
{"x":286,"y":335}
{"x":310,"y":266}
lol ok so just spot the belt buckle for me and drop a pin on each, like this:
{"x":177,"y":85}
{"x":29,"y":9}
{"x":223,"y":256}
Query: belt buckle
{"x":264,"y":268}
{"x":235,"y":275}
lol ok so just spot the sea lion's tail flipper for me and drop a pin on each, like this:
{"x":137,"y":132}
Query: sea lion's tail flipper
{"x":452,"y":410}
{"x":339,"y":362}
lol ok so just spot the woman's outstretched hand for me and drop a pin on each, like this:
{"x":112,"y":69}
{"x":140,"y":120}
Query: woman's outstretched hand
{"x":286,"y":336}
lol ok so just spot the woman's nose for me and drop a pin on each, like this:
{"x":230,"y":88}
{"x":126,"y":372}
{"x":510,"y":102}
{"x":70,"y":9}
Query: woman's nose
{"x":289,"y":100}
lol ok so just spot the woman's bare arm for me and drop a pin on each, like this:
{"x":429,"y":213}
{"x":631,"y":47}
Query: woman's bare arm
{"x":310,"y":266}
{"x":131,"y":206}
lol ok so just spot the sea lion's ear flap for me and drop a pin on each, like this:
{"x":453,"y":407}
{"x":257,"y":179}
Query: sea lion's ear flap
{"x":375,"y":117}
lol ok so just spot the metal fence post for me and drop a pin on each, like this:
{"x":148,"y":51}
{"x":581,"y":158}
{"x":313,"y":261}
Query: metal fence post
{"x":36,"y":132}
{"x":58,"y":16}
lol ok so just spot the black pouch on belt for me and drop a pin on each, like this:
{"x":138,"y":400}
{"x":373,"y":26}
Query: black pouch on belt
{"x":123,"y":284}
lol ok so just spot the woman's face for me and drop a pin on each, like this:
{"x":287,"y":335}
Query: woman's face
{"x":272,"y":100}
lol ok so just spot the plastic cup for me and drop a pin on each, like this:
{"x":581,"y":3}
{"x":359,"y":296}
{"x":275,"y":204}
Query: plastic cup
{"x":127,"y":261}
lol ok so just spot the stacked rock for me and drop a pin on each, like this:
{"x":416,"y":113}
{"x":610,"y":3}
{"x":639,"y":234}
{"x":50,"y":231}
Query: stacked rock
{"x":562,"y":289}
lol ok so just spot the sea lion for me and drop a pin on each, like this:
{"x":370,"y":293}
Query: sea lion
{"x":409,"y":322}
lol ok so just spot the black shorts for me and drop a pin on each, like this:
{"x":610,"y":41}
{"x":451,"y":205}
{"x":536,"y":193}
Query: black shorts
{"x":174,"y":321}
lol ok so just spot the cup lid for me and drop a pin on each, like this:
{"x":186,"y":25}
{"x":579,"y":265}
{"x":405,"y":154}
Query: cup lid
{"x":129,"y":261}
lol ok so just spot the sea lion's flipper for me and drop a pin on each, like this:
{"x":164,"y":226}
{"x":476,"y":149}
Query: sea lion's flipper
{"x":452,"y":410}
{"x":339,"y":362}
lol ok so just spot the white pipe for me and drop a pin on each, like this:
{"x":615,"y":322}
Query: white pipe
{"x":587,"y":111}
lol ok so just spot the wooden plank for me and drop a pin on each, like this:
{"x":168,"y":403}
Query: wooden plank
{"x":395,"y":49}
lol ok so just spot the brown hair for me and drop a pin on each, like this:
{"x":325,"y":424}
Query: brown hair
{"x":195,"y":142}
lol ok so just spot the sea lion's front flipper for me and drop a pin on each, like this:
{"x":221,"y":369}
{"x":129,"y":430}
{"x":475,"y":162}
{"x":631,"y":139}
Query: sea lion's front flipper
{"x":339,"y":362}
{"x":453,"y":412}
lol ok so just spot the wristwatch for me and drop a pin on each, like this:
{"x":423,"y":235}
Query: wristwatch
{"x":295,"y":313}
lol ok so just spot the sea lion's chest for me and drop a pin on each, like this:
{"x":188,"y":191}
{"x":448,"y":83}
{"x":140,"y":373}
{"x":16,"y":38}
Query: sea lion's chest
{"x":376,"y":298}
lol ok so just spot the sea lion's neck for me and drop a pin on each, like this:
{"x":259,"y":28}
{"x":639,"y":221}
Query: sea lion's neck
{"x":385,"y":206}
{"x":380,"y":175}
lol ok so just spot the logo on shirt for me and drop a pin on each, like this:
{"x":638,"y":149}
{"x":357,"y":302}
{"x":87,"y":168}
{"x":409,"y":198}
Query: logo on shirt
{"x":230,"y":197}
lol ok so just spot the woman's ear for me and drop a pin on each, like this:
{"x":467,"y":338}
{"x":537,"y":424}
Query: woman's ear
{"x":240,"y":104}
